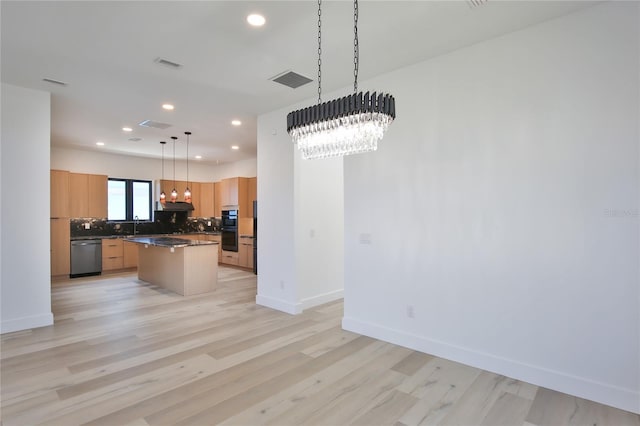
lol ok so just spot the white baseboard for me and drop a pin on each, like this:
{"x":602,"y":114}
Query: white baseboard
{"x":320,"y":299}
{"x":625,"y":399}
{"x":26,"y":323}
{"x":279,"y":304}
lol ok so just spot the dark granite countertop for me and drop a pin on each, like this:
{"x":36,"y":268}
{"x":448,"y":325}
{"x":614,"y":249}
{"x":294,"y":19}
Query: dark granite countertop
{"x":102,"y":237}
{"x":170,"y":242}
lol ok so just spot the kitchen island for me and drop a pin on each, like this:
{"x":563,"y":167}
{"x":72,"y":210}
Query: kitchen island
{"x":186,"y":267}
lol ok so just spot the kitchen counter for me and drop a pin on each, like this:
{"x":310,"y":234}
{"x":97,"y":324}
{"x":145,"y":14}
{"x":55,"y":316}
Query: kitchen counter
{"x":184,"y":266}
{"x":103,"y":237}
{"x":171,"y":242}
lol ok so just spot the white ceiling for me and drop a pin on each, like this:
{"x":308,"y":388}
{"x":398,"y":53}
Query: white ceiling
{"x":105,"y":51}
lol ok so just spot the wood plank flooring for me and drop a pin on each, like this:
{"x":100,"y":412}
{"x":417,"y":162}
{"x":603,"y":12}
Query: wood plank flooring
{"x":123,"y":352}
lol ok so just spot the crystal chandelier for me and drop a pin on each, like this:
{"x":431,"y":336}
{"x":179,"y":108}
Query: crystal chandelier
{"x":349,"y":125}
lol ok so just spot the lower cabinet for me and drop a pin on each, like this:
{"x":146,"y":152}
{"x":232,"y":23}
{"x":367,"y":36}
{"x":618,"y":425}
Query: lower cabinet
{"x":130,"y":254}
{"x":218,"y":239}
{"x":245,"y":257}
{"x":230,"y":257}
{"x":112,"y":254}
{"x":60,"y":247}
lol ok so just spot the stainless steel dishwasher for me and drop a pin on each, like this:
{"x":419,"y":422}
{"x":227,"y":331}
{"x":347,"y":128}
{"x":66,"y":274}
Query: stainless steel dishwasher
{"x":86,"y":257}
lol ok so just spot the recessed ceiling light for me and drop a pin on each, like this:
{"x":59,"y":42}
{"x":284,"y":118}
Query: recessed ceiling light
{"x":168,"y":107}
{"x":236,"y":122}
{"x":198,"y":157}
{"x":256,"y":20}
{"x":235,"y":147}
{"x":127,"y":129}
{"x":100,"y":143}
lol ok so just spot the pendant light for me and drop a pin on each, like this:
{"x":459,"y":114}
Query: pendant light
{"x":163,"y":196}
{"x":174,"y":193}
{"x":349,"y":125}
{"x":187,"y":192}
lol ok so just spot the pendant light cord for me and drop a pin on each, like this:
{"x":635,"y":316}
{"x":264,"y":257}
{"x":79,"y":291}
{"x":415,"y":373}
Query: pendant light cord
{"x":356,"y":46}
{"x":187,"y":133}
{"x":319,"y":51}
{"x":174,"y":161}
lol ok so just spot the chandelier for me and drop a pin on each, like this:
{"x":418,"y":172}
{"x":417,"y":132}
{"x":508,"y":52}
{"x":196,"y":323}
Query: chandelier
{"x":348,"y":125}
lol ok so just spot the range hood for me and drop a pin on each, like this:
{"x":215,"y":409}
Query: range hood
{"x":178,"y":206}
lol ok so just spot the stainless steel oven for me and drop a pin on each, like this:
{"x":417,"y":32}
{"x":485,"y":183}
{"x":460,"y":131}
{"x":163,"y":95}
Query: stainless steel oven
{"x":230,"y":230}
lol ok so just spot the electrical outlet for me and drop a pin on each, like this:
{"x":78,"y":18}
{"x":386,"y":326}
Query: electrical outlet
{"x":87,"y":225}
{"x":410,"y":313}
{"x":365,"y":239}
{"x":208,"y":223}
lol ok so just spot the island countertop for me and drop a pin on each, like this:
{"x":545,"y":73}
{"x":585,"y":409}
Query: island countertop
{"x":169,"y":242}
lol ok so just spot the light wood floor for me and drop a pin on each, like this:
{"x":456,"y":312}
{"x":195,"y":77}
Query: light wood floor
{"x":123,"y":352}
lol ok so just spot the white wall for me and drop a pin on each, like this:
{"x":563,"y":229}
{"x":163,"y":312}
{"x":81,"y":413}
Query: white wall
{"x":300,"y":245}
{"x":24,"y":178}
{"x":277,"y":286}
{"x":503,"y":208}
{"x":130,"y":167}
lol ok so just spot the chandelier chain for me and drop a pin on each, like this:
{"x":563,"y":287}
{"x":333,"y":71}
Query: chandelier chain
{"x":356,"y":47}
{"x":319,"y":51}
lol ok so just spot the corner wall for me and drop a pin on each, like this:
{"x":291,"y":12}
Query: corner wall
{"x":502,"y":208}
{"x":25,"y":284}
{"x":300,"y":245}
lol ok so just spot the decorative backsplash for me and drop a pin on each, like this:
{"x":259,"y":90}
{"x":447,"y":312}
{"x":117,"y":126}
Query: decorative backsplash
{"x":165,"y":222}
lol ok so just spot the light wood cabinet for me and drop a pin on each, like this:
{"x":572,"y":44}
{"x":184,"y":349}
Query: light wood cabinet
{"x":253,"y":190}
{"x":78,"y":195}
{"x":207,"y":199}
{"x":229,"y":191}
{"x":112,"y":254}
{"x":87,"y":195}
{"x":97,"y":196}
{"x":60,"y":247}
{"x":230,"y":257}
{"x":195,"y":198}
{"x":130,"y":254}
{"x":217,"y":199}
{"x":217,"y":238}
{"x":245,"y":252}
{"x":59,"y":193}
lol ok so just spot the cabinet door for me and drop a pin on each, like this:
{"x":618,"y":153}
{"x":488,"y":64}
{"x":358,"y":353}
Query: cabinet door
{"x":217,"y":199}
{"x":130,"y":254}
{"x":253,"y":190}
{"x":207,"y":199}
{"x":245,"y":207}
{"x":59,"y":193}
{"x":245,"y":253}
{"x":230,"y":192}
{"x":97,"y":196}
{"x":78,"y":195}
{"x":60,"y":247}
{"x":195,"y":199}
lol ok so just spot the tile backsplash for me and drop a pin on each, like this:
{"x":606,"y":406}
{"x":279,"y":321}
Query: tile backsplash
{"x":165,"y":222}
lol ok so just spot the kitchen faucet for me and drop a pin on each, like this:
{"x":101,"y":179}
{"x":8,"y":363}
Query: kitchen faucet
{"x":135,"y":224}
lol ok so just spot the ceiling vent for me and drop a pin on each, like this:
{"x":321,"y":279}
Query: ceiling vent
{"x":59,"y":83}
{"x":135,"y":139}
{"x":291,"y":79}
{"x":476,"y":3}
{"x":154,"y":124}
{"x":167,"y":63}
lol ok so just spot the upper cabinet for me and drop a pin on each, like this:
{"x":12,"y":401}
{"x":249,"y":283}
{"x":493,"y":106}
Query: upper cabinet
{"x":217,"y":199}
{"x":87,"y":195}
{"x":207,"y":199}
{"x":59,"y":194}
{"x":229,"y":191}
{"x":239,"y":192}
{"x":98,"y":198}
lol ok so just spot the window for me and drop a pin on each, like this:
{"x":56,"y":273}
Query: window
{"x":128,"y":199}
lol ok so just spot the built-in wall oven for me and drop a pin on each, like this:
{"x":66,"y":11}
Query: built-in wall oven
{"x":230,"y":230}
